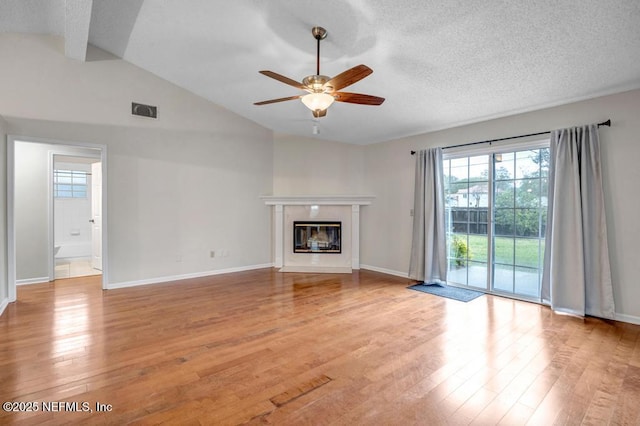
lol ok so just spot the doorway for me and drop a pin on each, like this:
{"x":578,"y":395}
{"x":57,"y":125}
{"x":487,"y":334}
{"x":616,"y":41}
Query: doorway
{"x":76,"y":193}
{"x":30,"y":210}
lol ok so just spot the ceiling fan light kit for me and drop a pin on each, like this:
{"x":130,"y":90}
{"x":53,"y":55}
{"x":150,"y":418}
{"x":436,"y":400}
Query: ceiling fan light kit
{"x":323,"y":90}
{"x":317,"y":101}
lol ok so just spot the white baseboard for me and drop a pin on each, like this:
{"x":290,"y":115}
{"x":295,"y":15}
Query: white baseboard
{"x":627,"y":318}
{"x":3,"y":305}
{"x":158,"y":280}
{"x":385,"y":271}
{"x":33,"y":281}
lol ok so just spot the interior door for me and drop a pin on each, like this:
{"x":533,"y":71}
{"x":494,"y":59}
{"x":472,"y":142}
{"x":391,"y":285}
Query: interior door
{"x":96,"y":216}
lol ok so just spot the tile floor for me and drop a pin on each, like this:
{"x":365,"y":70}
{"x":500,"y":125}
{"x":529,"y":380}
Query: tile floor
{"x":74,"y":267}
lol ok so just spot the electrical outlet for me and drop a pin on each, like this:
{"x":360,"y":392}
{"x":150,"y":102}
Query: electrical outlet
{"x":212,"y":253}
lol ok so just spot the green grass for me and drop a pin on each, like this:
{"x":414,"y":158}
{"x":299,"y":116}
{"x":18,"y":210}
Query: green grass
{"x":526,"y":250}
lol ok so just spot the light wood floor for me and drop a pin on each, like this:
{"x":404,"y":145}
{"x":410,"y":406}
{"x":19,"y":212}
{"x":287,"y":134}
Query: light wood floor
{"x":264,"y":347}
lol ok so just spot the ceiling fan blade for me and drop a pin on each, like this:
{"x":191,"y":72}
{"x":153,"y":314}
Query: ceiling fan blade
{"x":357,"y":98}
{"x":348,"y":77}
{"x":283,"y":79}
{"x":273,"y":101}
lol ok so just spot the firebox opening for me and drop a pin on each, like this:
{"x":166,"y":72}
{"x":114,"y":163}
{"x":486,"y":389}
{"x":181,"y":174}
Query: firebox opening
{"x":317,"y":237}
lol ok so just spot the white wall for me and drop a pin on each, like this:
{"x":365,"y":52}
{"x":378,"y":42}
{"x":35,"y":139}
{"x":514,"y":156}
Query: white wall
{"x":4,"y":290}
{"x":39,"y":82}
{"x":308,"y":166}
{"x":386,"y":236}
{"x":177,"y":187}
{"x":30,"y":207}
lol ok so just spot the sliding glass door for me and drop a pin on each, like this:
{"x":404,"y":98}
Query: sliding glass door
{"x":496,"y":217}
{"x":467,"y":200}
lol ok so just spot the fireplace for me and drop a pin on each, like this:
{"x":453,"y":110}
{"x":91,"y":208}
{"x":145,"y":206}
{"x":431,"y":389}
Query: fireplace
{"x":316,"y":209}
{"x":317,"y":237}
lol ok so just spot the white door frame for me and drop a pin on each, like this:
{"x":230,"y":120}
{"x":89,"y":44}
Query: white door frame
{"x":96,"y":215}
{"x":51,"y":201}
{"x":11,"y":231}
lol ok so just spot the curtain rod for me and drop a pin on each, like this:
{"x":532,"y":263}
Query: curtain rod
{"x":604,"y":123}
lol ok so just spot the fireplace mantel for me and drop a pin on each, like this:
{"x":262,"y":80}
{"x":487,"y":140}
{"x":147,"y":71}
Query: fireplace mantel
{"x":318,"y":202}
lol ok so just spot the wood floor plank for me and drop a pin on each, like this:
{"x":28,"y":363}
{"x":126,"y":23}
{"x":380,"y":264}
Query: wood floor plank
{"x":263,"y":347}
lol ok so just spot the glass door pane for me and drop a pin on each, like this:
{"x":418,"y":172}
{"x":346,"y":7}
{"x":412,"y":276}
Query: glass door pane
{"x":519,"y":213}
{"x":467,"y":201}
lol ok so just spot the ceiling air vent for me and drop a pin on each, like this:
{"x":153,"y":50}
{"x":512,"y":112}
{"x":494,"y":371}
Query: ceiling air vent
{"x":144,"y":110}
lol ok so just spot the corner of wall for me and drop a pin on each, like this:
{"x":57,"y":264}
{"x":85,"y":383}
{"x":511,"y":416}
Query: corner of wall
{"x":4,"y":284}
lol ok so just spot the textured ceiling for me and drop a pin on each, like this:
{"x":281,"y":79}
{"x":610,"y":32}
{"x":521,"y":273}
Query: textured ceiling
{"x":438,"y":64}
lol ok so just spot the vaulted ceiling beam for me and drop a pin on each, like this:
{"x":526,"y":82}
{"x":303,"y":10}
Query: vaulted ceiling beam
{"x":77,"y":19}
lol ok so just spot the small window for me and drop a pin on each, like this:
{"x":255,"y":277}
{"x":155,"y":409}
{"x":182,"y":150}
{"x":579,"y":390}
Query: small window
{"x":69,"y":184}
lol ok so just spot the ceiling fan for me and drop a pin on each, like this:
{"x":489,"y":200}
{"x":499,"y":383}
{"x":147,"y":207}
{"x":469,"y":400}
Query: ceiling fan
{"x":323,"y":90}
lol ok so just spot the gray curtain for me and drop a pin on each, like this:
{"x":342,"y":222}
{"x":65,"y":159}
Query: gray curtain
{"x":577,"y":275}
{"x":428,"y":249}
